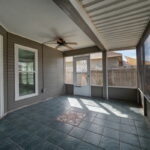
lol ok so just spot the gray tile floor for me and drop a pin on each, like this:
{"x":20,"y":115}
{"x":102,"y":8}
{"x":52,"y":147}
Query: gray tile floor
{"x":108,"y":125}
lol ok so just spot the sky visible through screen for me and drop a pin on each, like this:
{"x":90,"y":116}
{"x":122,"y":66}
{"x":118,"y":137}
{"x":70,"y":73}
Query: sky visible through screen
{"x":129,"y":53}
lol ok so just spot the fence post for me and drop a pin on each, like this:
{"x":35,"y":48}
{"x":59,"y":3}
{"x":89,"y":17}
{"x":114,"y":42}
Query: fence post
{"x":105,"y":76}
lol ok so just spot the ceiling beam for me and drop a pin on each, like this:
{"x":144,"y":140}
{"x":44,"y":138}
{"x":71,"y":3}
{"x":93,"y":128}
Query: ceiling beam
{"x":75,"y":16}
{"x":123,"y":48}
{"x":145,"y":34}
{"x":81,"y":51}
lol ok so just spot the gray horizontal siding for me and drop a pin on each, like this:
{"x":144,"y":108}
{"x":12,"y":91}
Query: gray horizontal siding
{"x":53,"y":72}
{"x":50,"y":62}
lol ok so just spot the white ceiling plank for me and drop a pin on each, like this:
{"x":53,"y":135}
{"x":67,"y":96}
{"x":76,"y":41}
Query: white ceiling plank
{"x":133,"y":28}
{"x":87,"y":3}
{"x":131,"y":36}
{"x":117,"y":8}
{"x":120,"y":19}
{"x":113,"y":40}
{"x":123,"y":27}
{"x":123,"y":35}
{"x":124,"y":10}
{"x":101,"y":5}
{"x":124,"y":43}
{"x":146,"y":18}
{"x":94,"y":3}
{"x":121,"y":15}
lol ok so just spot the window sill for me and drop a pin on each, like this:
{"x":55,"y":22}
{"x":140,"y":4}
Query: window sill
{"x":122,"y":87}
{"x":25,"y":97}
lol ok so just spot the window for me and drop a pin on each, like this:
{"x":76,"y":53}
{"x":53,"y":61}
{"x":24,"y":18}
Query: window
{"x":122,"y":70}
{"x":26,"y":72}
{"x":69,"y":70}
{"x":96,"y":69}
{"x":147,"y":67}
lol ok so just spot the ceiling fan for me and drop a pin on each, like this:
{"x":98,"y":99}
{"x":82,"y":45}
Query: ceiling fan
{"x":60,"y":42}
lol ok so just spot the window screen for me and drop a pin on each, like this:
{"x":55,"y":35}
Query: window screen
{"x":69,"y":70}
{"x":96,"y":69}
{"x":122,"y":68}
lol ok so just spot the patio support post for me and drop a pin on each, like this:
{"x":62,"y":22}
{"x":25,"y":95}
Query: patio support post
{"x":105,"y":76}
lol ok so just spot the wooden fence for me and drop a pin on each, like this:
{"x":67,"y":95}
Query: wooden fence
{"x":124,"y":77}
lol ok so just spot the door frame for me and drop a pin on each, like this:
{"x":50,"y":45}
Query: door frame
{"x":2,"y":77}
{"x":82,"y":57}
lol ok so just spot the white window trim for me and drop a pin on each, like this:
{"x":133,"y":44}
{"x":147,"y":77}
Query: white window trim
{"x":17,"y":97}
{"x":2,"y":77}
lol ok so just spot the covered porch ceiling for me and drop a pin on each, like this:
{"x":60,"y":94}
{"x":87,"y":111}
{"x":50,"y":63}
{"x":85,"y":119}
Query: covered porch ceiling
{"x":120,"y":23}
{"x":108,"y":24}
{"x":117,"y":24}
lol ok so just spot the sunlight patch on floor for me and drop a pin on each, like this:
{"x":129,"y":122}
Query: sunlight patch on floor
{"x":136,"y":110}
{"x":97,"y":109}
{"x":89,"y":102}
{"x":114,"y":111}
{"x":74,"y":102}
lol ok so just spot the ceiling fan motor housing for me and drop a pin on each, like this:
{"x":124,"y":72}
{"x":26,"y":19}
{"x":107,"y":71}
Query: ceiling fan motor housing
{"x":61,"y":42}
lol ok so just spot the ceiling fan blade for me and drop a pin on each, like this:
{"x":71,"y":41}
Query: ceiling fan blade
{"x":60,"y":40}
{"x":70,"y":48}
{"x":57,"y":47}
{"x":72,"y":43}
{"x":51,"y":41}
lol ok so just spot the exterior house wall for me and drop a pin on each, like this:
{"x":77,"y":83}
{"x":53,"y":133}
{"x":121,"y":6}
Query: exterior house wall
{"x":96,"y":64}
{"x":14,"y":39}
{"x":50,"y":71}
{"x":113,"y":62}
{"x":53,"y":72}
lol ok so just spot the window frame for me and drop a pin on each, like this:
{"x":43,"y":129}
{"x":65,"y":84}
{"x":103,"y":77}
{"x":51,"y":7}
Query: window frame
{"x":17,"y":96}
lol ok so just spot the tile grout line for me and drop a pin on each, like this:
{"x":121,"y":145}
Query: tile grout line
{"x":16,"y":144}
{"x":138,"y":136}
